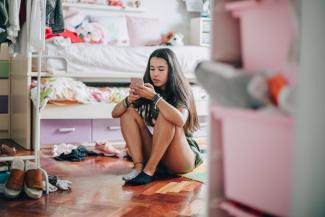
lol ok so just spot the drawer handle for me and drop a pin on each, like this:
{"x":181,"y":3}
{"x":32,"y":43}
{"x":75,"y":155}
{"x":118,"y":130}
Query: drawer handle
{"x":66,"y":130}
{"x":203,"y":124}
{"x":113,"y":127}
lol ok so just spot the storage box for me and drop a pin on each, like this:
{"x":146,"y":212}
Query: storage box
{"x":267,"y":33}
{"x":257,"y":158}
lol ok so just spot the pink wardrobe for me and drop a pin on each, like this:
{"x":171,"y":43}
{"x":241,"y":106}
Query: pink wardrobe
{"x":250,"y":159}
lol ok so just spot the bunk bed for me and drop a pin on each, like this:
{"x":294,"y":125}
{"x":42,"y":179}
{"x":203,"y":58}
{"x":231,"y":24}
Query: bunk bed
{"x":26,"y":119}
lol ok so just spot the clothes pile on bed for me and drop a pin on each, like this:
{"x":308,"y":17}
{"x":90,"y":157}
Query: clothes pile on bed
{"x":67,"y":91}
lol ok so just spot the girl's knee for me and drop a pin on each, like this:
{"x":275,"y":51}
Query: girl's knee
{"x":129,"y":112}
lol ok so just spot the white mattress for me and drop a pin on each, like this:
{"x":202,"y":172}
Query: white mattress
{"x":94,"y":58}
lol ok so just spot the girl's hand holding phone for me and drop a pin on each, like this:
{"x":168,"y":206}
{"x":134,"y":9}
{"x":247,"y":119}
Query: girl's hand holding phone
{"x":132,"y":96}
{"x":146,"y":91}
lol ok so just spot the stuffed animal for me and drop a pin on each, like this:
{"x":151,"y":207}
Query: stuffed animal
{"x":116,"y":3}
{"x":92,"y":33}
{"x":136,"y":3}
{"x":173,"y":39}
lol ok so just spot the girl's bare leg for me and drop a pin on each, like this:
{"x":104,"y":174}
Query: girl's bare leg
{"x":136,"y":136}
{"x":169,"y":145}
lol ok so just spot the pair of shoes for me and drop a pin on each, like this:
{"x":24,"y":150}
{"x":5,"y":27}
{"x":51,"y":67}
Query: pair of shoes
{"x":30,"y":179}
{"x":7,"y":150}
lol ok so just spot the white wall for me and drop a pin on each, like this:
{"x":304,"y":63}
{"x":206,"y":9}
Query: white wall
{"x":172,"y":14}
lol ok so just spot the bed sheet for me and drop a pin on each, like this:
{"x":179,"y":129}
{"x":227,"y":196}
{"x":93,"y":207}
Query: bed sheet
{"x":97,"y":58}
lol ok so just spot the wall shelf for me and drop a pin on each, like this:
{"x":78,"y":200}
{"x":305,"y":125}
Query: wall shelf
{"x":102,"y":7}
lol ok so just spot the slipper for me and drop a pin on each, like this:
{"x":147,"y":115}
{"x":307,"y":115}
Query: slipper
{"x":107,"y":149}
{"x":7,"y":150}
{"x":14,"y":184}
{"x":36,"y":180}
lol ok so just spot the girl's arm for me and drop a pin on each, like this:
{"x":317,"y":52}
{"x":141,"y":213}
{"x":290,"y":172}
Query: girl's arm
{"x":177,"y":116}
{"x":119,"y":108}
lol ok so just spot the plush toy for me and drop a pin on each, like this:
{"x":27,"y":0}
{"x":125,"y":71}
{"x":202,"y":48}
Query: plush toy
{"x":116,"y":3}
{"x":92,"y":33}
{"x":173,"y":39}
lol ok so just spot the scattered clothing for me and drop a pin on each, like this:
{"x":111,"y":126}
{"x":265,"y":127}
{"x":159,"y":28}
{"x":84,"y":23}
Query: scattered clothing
{"x":63,"y":148}
{"x":55,"y":183}
{"x":76,"y":155}
{"x":73,"y":36}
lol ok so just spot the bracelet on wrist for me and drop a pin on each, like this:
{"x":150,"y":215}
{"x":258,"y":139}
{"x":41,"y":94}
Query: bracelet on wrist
{"x":155,"y":99}
{"x":159,"y":98}
{"x":126,"y":103}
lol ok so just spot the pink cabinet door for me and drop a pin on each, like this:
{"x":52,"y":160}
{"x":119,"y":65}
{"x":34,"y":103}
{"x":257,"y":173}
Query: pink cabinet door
{"x":65,"y":131}
{"x":106,"y":129}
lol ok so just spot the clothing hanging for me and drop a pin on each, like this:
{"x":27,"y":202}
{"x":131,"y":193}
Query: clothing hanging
{"x":54,"y":16}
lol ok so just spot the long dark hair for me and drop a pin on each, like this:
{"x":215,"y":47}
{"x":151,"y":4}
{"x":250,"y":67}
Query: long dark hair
{"x":176,"y":92}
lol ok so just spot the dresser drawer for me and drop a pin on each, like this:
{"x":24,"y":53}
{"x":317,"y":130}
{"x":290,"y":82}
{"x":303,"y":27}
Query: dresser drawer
{"x":4,"y":122}
{"x":65,"y":131}
{"x":4,"y":87}
{"x":4,"y":69}
{"x":106,"y":129}
{"x":3,"y":104}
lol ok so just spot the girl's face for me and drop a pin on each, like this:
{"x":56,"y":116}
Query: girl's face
{"x":158,"y":72}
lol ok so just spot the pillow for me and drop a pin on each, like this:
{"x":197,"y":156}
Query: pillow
{"x":116,"y":29}
{"x":73,"y":19}
{"x":143,"y":31}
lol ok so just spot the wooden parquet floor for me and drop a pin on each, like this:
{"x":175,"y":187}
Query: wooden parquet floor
{"x":98,"y":190}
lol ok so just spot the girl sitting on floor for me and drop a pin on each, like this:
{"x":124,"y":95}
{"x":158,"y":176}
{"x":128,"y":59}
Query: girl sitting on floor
{"x":157,"y":120}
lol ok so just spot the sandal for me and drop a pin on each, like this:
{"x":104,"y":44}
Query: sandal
{"x":36,"y":180}
{"x":14,"y":184}
{"x":7,"y":150}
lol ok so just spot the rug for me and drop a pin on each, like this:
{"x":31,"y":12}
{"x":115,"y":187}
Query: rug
{"x":200,"y":173}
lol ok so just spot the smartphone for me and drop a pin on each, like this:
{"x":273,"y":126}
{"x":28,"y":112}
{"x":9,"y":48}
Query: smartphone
{"x":136,"y":82}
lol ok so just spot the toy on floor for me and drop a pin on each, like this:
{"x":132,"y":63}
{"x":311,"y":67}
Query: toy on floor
{"x":173,"y":39}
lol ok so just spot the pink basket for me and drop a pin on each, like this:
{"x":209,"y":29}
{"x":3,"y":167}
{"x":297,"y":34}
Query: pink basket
{"x":257,"y":152}
{"x":266,"y":30}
